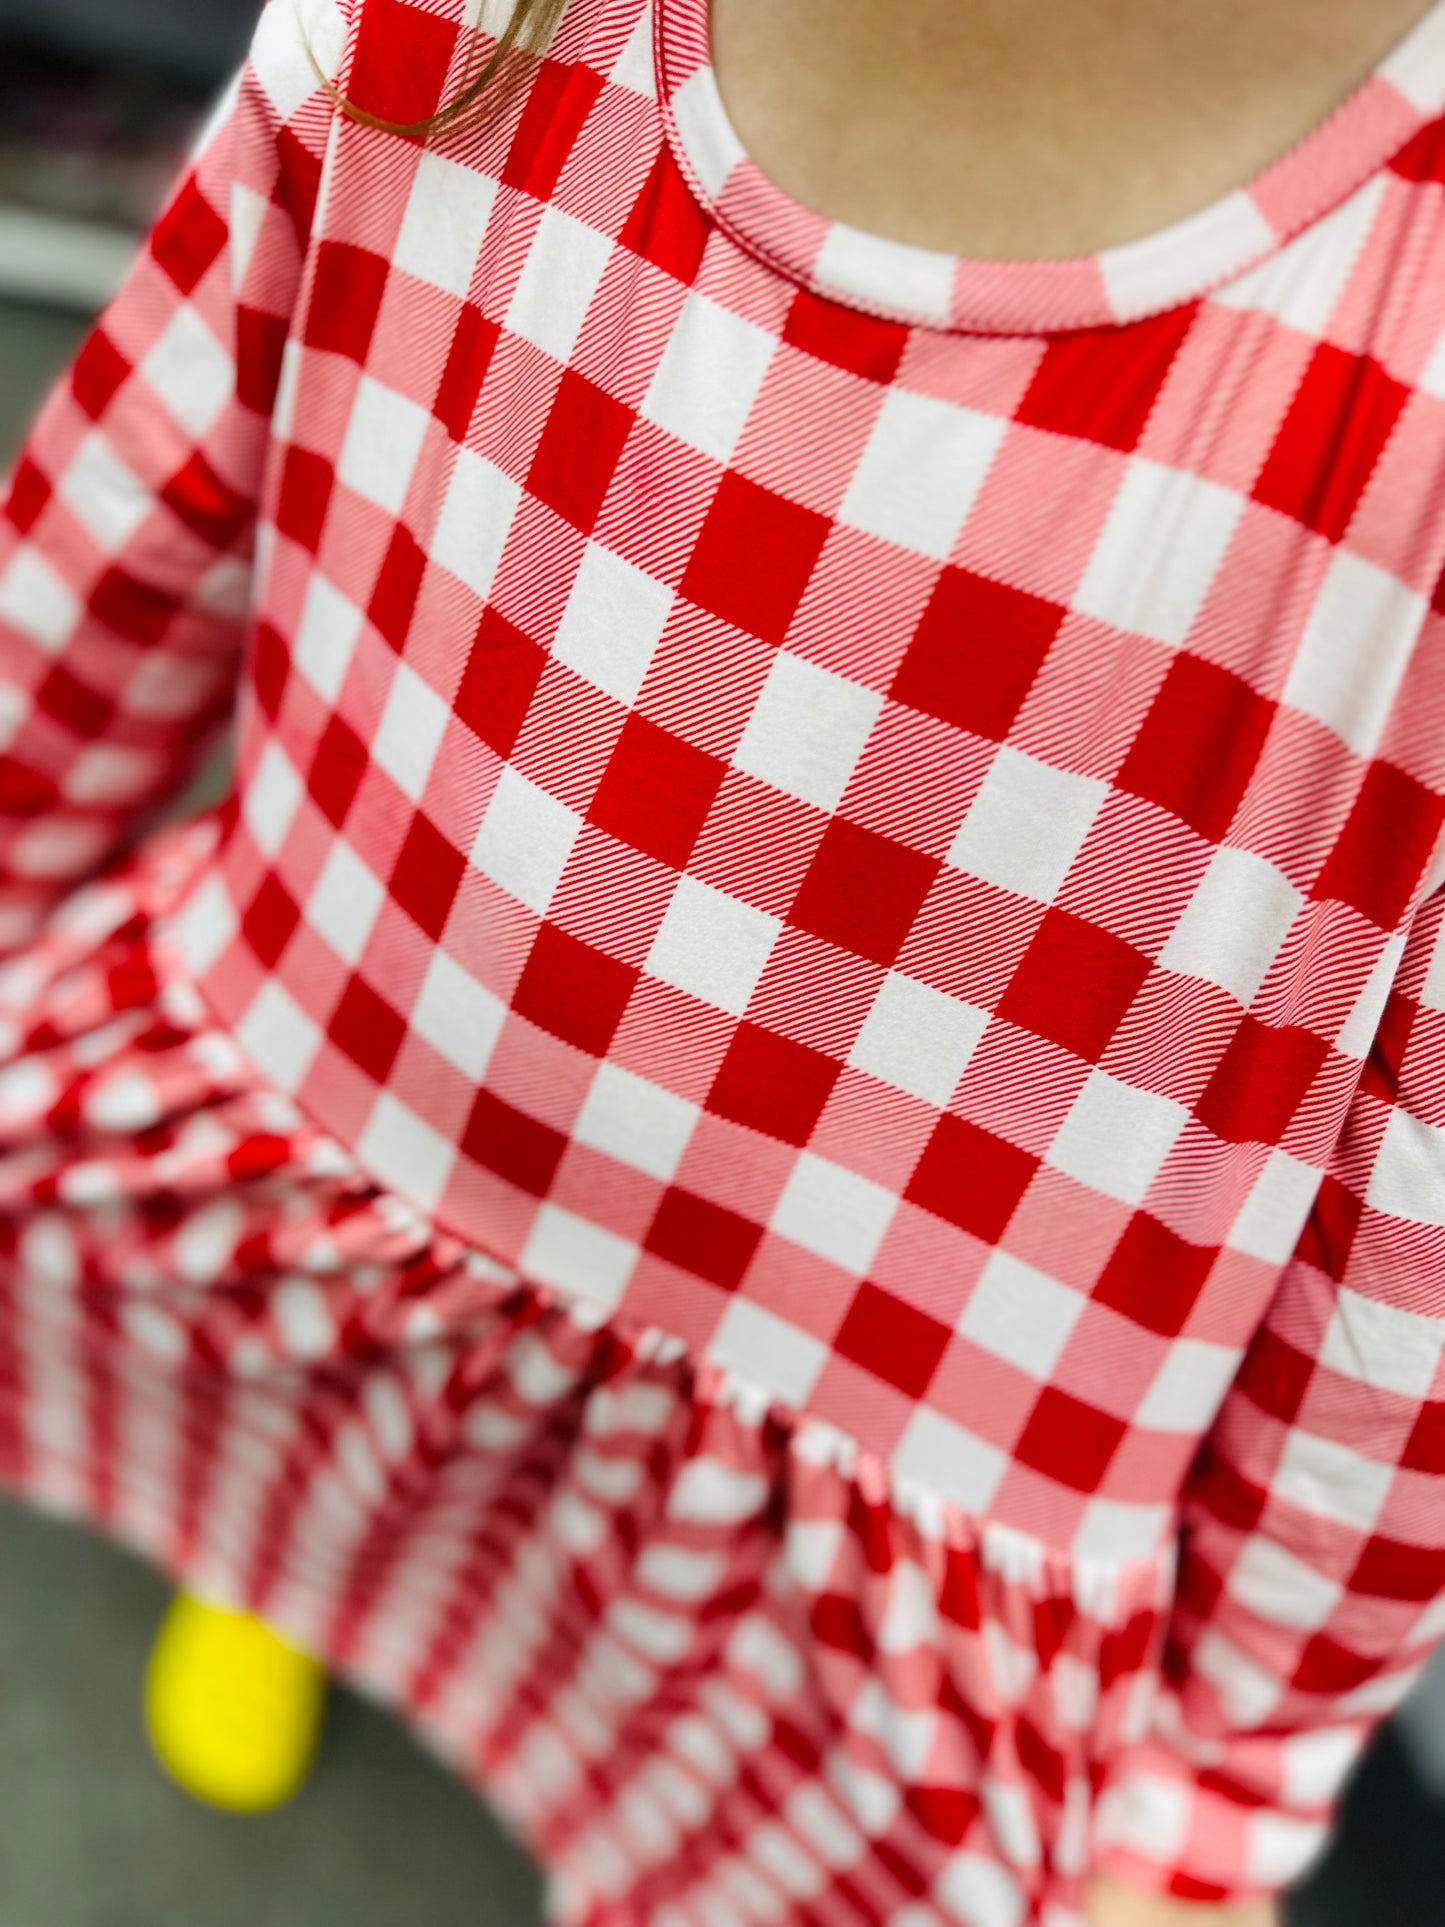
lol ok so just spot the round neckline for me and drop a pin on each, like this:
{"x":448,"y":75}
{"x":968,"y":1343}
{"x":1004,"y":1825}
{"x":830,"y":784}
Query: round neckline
{"x":920,"y":287}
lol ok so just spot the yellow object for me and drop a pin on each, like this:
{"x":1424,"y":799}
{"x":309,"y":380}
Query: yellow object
{"x":233,"y":1710}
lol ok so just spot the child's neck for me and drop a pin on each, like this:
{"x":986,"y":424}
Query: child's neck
{"x":1034,"y":128}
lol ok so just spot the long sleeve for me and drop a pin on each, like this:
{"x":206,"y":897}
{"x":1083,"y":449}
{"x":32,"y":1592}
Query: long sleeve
{"x":1312,"y":1580}
{"x":126,"y":538}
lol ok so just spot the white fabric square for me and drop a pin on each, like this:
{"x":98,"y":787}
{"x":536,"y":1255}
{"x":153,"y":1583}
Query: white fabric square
{"x":1026,"y":825}
{"x":1385,"y":1345}
{"x":446,"y":216}
{"x":1190,"y":1386}
{"x":1320,"y":1476}
{"x":279,"y":1037}
{"x":1159,"y":552}
{"x":411,"y":730}
{"x":325,"y":638}
{"x":1361,"y":632}
{"x":384,"y":437}
{"x":917,"y":1039}
{"x":712,"y":946}
{"x":270,"y":800}
{"x":1020,"y":1314}
{"x":835,"y":1213}
{"x":1116,"y":1138}
{"x":1234,"y":925}
{"x":708,"y":135}
{"x":36,"y":600}
{"x":107,"y":498}
{"x":708,"y":377}
{"x":191,"y":372}
{"x":206,"y":926}
{"x":345,"y":901}
{"x":476,"y":516}
{"x":854,"y":261}
{"x":634,"y":68}
{"x":612,"y":624}
{"x":921,"y":472}
{"x":572,"y":1255}
{"x":564,"y":264}
{"x":525,"y":840}
{"x":1408,"y":1178}
{"x":1280,"y":1589}
{"x":807,"y":730}
{"x":768,"y":1351}
{"x":1113,"y":1530}
{"x":405,"y":1153}
{"x":1273,"y":1215}
{"x":946,"y":1460}
{"x":636,"y":1122}
{"x":460,"y":1018}
{"x":249,"y":211}
{"x":1302,"y":282}
{"x":287,"y":40}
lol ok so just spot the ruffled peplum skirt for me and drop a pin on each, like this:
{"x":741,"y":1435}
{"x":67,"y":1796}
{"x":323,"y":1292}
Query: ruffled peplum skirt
{"x":715,"y":1666}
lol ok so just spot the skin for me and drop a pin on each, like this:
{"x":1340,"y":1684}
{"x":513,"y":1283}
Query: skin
{"x":1052,"y":129}
{"x":1007,"y":131}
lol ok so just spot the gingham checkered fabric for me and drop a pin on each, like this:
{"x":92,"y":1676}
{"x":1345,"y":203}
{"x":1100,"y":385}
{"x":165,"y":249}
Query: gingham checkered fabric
{"x":784,"y":1163}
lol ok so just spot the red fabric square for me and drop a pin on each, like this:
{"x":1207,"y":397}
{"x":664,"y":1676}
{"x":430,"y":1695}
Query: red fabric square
{"x":207,"y":504}
{"x":1069,"y":1441}
{"x":753,"y":557}
{"x":189,"y":237}
{"x":29,"y":492}
{"x":517,"y":1147}
{"x":1327,"y":1668}
{"x":698,"y":1236}
{"x":270,"y":668}
{"x":1335,"y":1215}
{"x":1389,"y":1569}
{"x":393,"y":600}
{"x":304,"y":497}
{"x":772,"y":1084}
{"x":1425,"y":1448}
{"x":1074,"y":984}
{"x":130,"y":607}
{"x":260,"y":349}
{"x":1258,"y":1083}
{"x":1101,"y":384}
{"x":403,"y":90}
{"x":575,"y":992}
{"x":1154,"y":1277}
{"x":892,"y":1340}
{"x":1383,"y":850}
{"x":82,"y":710}
{"x":666,"y":225}
{"x":1331,"y":440}
{"x":860,"y":343}
{"x":340,"y":762}
{"x":656,"y":791}
{"x":862,"y":891}
{"x":559,"y":99}
{"x":976,"y":652}
{"x":969,"y":1177}
{"x":474,"y":338}
{"x":499,"y":682}
{"x":427,"y":874}
{"x":1423,"y":157}
{"x":367,"y":1029}
{"x":579,"y":449}
{"x":1199,"y":745}
{"x":345,"y":299}
{"x":298,"y":185}
{"x":97,"y":373}
{"x":269,"y":922}
{"x":1275,"y":1376}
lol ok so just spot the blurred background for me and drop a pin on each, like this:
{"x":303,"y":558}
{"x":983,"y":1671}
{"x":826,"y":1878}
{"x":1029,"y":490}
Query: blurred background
{"x":98,"y":99}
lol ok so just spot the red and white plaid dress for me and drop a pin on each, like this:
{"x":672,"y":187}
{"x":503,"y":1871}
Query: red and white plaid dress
{"x":782,"y":1166}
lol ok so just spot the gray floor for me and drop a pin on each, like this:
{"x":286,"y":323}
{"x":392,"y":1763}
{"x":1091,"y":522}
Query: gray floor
{"x":93,"y":1835}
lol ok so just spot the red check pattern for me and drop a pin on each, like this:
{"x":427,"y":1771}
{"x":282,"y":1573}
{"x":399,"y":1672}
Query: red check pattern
{"x":878,"y":863}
